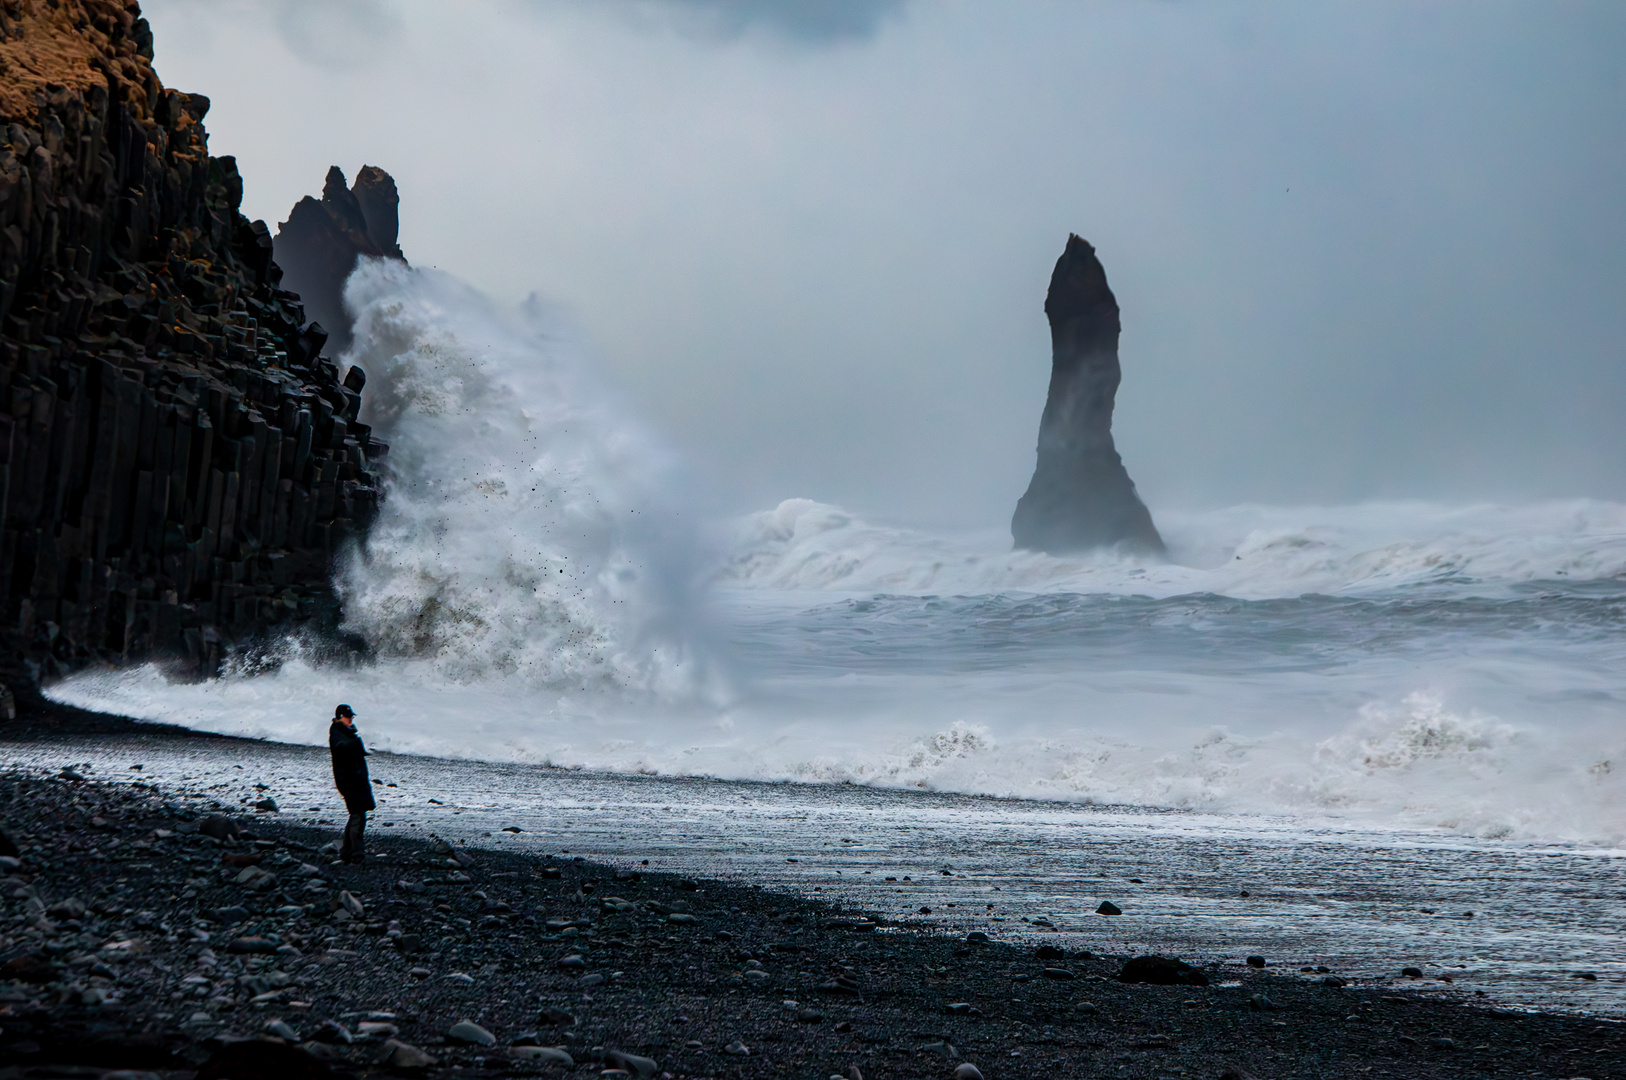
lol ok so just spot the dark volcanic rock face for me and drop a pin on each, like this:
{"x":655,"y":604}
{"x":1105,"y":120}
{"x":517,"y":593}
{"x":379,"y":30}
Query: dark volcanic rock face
{"x":1080,"y":496}
{"x":179,"y":462}
{"x":317,"y":247}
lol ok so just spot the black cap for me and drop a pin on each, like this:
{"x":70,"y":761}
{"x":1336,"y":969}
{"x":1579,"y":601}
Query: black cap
{"x":343,"y":710}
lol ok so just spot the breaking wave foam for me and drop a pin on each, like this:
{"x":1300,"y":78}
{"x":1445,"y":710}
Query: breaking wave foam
{"x":530,"y":594}
{"x":523,"y":535}
{"x":1249,"y":552}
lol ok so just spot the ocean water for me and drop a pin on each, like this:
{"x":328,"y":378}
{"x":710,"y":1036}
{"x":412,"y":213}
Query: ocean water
{"x":538,"y":591}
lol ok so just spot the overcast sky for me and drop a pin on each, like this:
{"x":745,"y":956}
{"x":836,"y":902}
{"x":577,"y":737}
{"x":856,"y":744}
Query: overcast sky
{"x":1363,"y":250}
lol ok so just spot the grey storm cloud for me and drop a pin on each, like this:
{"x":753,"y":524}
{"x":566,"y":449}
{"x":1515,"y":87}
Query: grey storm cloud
{"x":334,"y":33}
{"x":815,"y":22}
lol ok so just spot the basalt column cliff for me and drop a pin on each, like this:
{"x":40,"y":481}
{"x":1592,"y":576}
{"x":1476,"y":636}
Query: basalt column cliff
{"x":1081,"y":496}
{"x":178,"y":460}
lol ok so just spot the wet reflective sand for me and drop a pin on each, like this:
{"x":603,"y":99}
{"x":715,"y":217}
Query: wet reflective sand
{"x":1362,"y":903}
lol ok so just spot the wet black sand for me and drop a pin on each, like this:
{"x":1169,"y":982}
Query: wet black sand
{"x":677,"y":973}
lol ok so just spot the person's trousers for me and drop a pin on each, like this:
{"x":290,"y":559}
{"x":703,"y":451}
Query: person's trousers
{"x":353,"y":829}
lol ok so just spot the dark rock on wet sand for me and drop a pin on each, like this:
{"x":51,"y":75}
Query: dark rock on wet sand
{"x":470,"y":1034}
{"x":1161,"y":971}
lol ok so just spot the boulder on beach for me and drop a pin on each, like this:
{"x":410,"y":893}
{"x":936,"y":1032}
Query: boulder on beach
{"x":1161,"y":971}
{"x":220,"y":827}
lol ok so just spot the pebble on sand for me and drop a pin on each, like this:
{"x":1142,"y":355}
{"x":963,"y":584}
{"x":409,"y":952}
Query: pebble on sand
{"x":470,"y":1033}
{"x":220,"y":827}
{"x":1109,"y":908}
{"x":253,"y":944}
{"x":967,"y":1071}
{"x":1256,"y":961}
{"x":282,"y":1030}
{"x":400,"y":1055}
{"x":333,"y":1032}
{"x":632,"y":1063}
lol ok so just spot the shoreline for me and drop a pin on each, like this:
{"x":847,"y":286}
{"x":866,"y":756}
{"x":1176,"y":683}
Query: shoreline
{"x":55,"y":719}
{"x":1363,"y":904}
{"x":884,"y":997}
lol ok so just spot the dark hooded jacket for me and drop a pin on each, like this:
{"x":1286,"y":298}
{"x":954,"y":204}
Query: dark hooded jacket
{"x":350,"y":768}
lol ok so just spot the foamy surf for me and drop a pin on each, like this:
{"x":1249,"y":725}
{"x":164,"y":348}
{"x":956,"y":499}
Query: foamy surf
{"x":533,"y":592}
{"x":527,"y":534}
{"x":1248,"y":552}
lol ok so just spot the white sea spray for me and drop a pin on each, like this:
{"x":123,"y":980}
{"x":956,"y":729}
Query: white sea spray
{"x":536,"y":590}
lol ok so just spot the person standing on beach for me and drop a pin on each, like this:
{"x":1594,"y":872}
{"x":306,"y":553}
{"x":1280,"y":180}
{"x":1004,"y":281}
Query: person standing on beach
{"x":350,"y":777}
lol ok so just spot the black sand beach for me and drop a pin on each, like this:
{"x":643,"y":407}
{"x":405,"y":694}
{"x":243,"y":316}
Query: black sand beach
{"x":135,"y":940}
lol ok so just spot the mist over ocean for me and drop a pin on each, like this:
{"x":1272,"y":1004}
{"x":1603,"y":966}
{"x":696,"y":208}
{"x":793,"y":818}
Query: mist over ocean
{"x":541,"y":589}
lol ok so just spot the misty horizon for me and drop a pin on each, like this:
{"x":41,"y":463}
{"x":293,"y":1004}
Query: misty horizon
{"x":1363,"y":252}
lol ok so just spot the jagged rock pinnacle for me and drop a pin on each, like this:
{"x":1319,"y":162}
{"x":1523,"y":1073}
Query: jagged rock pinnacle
{"x":1081,"y":496}
{"x":317,"y":247}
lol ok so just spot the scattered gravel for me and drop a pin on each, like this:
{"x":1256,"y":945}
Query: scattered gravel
{"x":138,"y":933}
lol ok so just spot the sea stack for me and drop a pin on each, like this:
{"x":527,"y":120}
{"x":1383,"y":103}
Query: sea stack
{"x":1081,"y":496}
{"x":317,"y":247}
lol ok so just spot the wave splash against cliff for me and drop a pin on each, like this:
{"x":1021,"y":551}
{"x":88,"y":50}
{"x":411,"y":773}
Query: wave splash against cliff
{"x":526,"y":534}
{"x":528,"y":593}
{"x":528,"y":586}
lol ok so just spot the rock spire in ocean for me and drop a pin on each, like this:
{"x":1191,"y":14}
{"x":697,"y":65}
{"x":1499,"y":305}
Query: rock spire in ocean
{"x":1081,"y":496}
{"x":317,"y":247}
